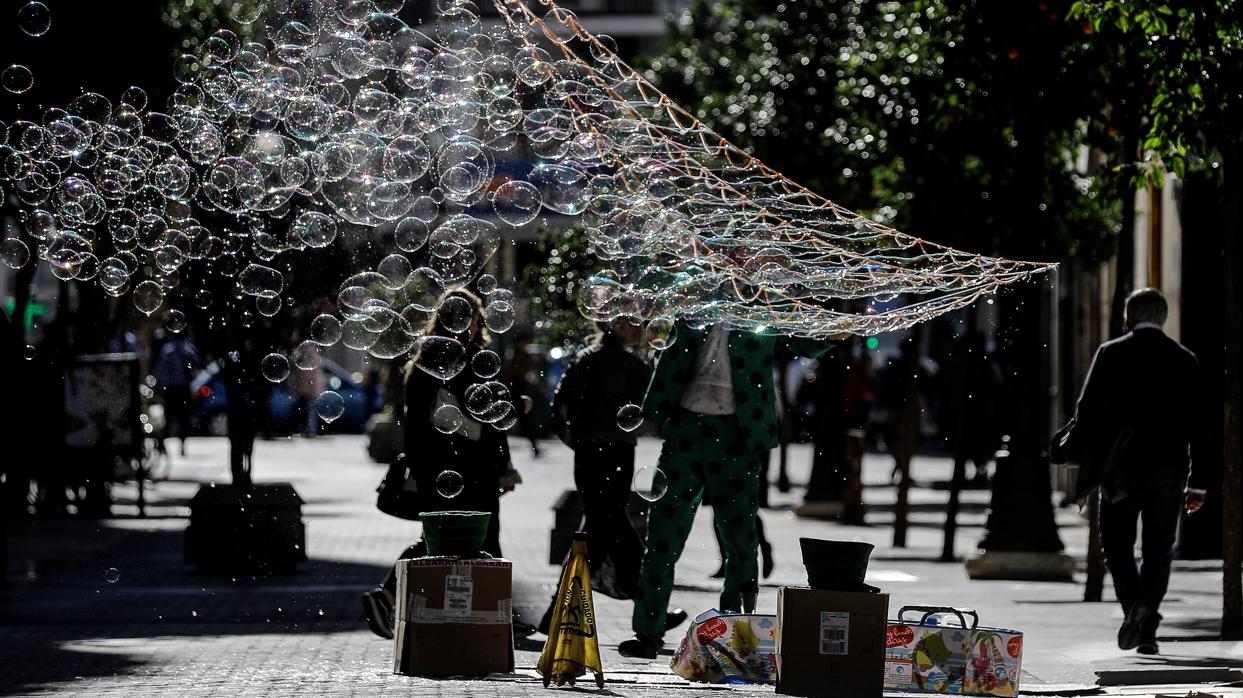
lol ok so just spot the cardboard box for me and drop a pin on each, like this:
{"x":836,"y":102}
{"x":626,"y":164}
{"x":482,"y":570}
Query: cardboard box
{"x":949,"y":659}
{"x":453,"y":617}
{"x":830,"y":643}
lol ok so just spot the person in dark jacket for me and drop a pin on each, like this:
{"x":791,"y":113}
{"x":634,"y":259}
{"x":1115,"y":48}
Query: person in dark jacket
{"x":464,"y":469}
{"x":603,"y":378}
{"x":1137,"y":420}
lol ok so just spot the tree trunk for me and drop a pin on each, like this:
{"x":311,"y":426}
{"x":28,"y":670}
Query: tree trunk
{"x":1232,"y":443}
{"x":962,"y":373}
{"x":783,"y":428}
{"x":909,"y":427}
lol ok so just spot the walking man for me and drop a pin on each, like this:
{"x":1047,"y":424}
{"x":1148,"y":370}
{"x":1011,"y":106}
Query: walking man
{"x":1139,"y":427}
{"x":713,"y":400}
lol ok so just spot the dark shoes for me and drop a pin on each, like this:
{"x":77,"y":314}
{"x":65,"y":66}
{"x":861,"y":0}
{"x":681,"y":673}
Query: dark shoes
{"x":641,"y":646}
{"x":647,"y":646}
{"x":1139,"y":628}
{"x":674,"y":618}
{"x":378,"y":610}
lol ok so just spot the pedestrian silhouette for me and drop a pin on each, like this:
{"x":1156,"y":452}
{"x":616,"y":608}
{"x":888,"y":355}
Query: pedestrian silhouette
{"x":604,"y":377}
{"x":1135,"y":432}
{"x":174,"y":371}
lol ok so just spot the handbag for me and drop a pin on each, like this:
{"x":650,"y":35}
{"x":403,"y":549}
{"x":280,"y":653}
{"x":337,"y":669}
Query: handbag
{"x":1096,"y":469}
{"x":398,"y":494}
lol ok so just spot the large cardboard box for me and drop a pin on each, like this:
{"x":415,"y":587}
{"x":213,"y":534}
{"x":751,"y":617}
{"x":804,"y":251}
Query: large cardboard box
{"x":453,"y":617}
{"x":830,"y":643}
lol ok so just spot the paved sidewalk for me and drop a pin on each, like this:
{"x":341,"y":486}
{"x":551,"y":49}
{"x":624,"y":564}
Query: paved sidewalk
{"x":109,"y":608}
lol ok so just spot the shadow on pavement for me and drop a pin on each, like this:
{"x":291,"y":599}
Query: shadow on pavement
{"x":77,"y":603}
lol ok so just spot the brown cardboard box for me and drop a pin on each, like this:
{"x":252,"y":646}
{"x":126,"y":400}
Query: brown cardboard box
{"x":453,"y":617}
{"x":830,"y":643}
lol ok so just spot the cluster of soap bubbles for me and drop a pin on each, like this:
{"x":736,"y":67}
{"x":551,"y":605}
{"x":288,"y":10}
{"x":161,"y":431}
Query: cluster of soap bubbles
{"x":341,"y":125}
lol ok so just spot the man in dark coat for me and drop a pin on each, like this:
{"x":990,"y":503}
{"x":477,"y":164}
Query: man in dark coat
{"x":1138,"y":423}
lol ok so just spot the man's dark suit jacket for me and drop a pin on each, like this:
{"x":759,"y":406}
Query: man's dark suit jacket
{"x":1144,"y":387}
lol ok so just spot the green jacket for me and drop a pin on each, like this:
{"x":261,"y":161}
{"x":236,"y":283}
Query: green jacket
{"x":751,"y":371}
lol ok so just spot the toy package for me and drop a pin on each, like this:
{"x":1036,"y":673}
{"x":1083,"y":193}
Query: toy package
{"x":728,"y":648}
{"x":962,"y":659}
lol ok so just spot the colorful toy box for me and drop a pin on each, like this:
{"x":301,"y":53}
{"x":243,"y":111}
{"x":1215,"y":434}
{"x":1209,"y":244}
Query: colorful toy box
{"x":927,"y":656}
{"x":728,"y":648}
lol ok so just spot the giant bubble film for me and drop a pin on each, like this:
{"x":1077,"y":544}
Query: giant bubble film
{"x":341,"y":123}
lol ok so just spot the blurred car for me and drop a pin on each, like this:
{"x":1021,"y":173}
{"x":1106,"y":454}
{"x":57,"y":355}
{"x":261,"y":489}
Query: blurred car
{"x":211,"y":398}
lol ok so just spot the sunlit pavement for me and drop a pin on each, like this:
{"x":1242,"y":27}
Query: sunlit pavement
{"x":110,"y":608}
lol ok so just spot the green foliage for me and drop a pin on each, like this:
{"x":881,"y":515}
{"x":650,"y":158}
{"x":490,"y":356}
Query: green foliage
{"x":958,"y":121}
{"x":1192,"y":58}
{"x":552,"y":282}
{"x":194,"y":21}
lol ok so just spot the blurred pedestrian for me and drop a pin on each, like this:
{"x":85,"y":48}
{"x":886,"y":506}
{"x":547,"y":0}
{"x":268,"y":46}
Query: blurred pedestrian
{"x":712,"y":397}
{"x":518,"y":376}
{"x":462,"y":467}
{"x":174,"y":371}
{"x":604,"y":377}
{"x":242,"y":400}
{"x":972,"y":407}
{"x":307,"y":385}
{"x":1136,"y":431}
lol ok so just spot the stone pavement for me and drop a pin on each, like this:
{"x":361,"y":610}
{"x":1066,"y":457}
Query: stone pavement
{"x":109,"y":608}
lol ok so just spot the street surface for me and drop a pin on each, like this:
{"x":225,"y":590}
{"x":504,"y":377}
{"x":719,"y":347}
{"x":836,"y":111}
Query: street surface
{"x":109,"y":608}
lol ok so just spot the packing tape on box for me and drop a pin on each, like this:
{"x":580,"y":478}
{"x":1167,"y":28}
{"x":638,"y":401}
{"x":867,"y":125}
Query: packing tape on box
{"x":418,"y":612}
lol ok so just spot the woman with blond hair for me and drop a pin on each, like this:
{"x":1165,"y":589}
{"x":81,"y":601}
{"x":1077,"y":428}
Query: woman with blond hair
{"x":457,"y":453}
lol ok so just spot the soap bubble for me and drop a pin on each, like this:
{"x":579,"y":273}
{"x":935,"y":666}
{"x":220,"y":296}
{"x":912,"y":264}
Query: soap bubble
{"x":650,"y":483}
{"x":485,"y":363}
{"x":307,"y":355}
{"x":148,"y":296}
{"x":326,"y":330}
{"x":441,"y":357}
{"x":516,"y":202}
{"x":268,"y":306}
{"x":498,"y":316}
{"x":630,"y":417}
{"x":14,"y":253}
{"x":449,"y":484}
{"x":660,"y":333}
{"x":34,"y":18}
{"x":275,"y":368}
{"x":258,"y":280}
{"x":396,"y":271}
{"x":175,"y":321}
{"x":17,"y":79}
{"x":112,"y":575}
{"x":447,"y":419}
{"x":410,"y":235}
{"x":455,"y":314}
{"x":329,"y":406}
{"x":315,"y":229}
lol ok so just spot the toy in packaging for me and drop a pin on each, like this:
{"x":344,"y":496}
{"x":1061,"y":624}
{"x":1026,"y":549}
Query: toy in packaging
{"x":929,"y":657}
{"x":729,"y":648}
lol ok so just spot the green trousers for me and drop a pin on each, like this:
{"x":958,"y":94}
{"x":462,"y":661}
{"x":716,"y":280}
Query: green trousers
{"x":702,"y":456}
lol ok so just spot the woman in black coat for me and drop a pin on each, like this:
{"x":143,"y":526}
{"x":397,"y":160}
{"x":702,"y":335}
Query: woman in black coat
{"x":465,"y":469}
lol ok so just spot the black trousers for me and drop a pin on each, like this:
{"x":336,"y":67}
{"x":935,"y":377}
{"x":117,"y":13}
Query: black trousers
{"x":1156,"y":501}
{"x":602,"y":474}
